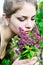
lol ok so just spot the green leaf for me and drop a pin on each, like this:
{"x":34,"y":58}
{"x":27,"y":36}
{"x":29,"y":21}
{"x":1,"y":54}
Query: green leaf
{"x":27,"y":47}
{"x":41,"y":34}
{"x":41,"y":44}
{"x":29,"y":56}
{"x":12,"y":54}
{"x":25,"y":52}
{"x":30,"y":34}
{"x":14,"y":41}
{"x":40,"y":4}
{"x":41,"y":24}
{"x":6,"y":62}
{"x":34,"y":48}
{"x":32,"y":53}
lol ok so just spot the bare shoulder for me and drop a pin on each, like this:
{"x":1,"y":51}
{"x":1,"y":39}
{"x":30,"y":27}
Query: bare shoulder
{"x":5,"y":31}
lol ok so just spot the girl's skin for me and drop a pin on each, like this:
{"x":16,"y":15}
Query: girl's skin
{"x":23,"y":18}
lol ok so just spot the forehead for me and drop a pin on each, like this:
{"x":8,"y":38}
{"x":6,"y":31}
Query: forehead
{"x":27,"y":10}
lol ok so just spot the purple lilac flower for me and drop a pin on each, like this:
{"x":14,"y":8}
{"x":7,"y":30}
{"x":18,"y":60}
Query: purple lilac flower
{"x":37,"y":45}
{"x":25,"y":39}
{"x":21,"y":29}
{"x":28,"y":42}
{"x":22,"y":41}
{"x":17,"y":44}
{"x":22,"y":32}
{"x":33,"y":41}
{"x":36,"y":36}
{"x":37,"y":30}
{"x":17,"y":51}
{"x":21,"y":46}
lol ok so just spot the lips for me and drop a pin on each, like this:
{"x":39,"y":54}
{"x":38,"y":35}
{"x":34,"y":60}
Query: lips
{"x":27,"y":32}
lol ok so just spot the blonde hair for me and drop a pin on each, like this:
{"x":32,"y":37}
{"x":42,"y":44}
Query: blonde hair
{"x":11,"y":6}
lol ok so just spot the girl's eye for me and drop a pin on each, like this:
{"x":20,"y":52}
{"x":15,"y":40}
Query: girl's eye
{"x":33,"y":17}
{"x":23,"y":18}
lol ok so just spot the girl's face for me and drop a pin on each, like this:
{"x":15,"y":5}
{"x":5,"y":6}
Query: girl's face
{"x":23,"y":18}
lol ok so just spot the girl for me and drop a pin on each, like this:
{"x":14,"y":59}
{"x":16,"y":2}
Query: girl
{"x":17,"y":13}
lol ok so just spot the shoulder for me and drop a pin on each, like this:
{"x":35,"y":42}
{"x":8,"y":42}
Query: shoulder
{"x":5,"y":31}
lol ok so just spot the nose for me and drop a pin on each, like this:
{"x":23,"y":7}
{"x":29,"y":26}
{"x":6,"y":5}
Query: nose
{"x":29,"y":24}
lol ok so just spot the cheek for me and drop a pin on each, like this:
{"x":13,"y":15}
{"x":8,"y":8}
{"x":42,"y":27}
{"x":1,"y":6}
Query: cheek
{"x":18,"y":24}
{"x":15,"y":24}
{"x":33,"y":23}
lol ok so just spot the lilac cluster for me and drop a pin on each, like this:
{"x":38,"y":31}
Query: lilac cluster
{"x":29,"y":40}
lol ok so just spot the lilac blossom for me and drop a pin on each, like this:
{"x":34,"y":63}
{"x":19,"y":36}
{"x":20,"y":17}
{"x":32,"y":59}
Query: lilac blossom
{"x":37,"y":30}
{"x":22,"y":31}
{"x":37,"y":45}
{"x":21,"y":47}
{"x":28,"y":40}
{"x":17,"y":51}
{"x":36,"y":36}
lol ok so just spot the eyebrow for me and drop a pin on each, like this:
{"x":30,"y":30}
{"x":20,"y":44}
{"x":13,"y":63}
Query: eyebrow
{"x":25,"y":16}
{"x":33,"y":16}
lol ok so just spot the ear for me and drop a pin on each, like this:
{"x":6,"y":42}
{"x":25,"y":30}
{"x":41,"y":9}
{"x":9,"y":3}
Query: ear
{"x":4,"y":16}
{"x":6,"y":19}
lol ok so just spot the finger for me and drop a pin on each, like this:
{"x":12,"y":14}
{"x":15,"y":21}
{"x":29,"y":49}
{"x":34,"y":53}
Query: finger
{"x":21,"y":62}
{"x":33,"y":60}
{"x":37,"y":63}
{"x":24,"y":61}
{"x":28,"y":62}
{"x":15,"y":62}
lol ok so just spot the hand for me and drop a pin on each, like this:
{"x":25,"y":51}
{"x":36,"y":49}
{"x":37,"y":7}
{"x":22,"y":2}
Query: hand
{"x":26,"y":61}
